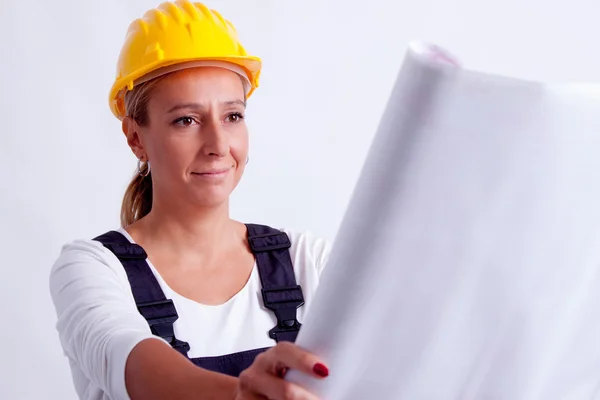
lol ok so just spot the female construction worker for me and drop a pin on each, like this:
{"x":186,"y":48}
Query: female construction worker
{"x":181,"y":301}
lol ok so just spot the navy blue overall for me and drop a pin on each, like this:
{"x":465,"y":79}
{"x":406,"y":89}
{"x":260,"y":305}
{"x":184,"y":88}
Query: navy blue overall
{"x":280,"y":293}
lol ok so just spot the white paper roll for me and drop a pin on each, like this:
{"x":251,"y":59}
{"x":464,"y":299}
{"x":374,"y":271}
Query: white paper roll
{"x":467,"y":265}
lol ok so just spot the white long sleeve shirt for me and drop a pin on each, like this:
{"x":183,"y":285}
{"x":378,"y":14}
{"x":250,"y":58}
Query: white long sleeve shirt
{"x":98,"y":322}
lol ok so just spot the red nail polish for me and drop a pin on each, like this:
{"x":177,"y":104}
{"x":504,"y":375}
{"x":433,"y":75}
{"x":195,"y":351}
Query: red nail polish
{"x":282,"y":372}
{"x":321,"y":370}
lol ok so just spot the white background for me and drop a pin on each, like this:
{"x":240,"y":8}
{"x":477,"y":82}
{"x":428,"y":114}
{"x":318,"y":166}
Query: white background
{"x":328,"y":69}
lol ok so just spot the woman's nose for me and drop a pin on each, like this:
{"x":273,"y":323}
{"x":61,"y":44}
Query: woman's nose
{"x":215,"y":139}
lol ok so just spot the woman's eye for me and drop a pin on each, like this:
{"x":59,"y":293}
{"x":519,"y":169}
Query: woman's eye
{"x":185,"y":121}
{"x":235,"y":117}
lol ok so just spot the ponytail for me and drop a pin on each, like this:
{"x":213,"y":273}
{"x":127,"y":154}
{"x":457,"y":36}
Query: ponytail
{"x":137,"y":200}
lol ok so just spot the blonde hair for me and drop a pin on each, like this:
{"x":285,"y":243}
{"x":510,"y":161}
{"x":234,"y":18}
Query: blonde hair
{"x":137,"y":200}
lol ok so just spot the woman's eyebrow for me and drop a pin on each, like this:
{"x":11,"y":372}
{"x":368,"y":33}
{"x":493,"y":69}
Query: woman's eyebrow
{"x":198,"y":106}
{"x":234,"y":102}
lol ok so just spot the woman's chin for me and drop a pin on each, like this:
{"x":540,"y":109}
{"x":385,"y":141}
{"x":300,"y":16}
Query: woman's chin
{"x":214,"y":197}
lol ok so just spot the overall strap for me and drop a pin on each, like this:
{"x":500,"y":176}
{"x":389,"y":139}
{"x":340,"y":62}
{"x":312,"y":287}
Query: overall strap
{"x":151,"y":302}
{"x":280,"y":292}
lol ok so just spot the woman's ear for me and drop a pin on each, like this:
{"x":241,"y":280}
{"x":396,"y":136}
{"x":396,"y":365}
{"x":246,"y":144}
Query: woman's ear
{"x":134,"y":140}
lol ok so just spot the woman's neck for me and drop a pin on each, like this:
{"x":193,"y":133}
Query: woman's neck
{"x":201,"y":230}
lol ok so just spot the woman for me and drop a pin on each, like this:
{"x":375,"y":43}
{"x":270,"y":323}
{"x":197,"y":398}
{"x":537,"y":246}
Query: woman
{"x":181,"y":281}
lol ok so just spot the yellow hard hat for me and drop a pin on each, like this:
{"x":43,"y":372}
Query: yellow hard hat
{"x":178,"y":35}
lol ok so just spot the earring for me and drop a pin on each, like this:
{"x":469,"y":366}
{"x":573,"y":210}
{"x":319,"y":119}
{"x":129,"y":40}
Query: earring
{"x":139,"y":167}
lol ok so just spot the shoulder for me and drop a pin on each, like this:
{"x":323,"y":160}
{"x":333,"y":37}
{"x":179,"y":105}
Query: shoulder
{"x":83,"y":250}
{"x":308,"y":248}
{"x":81,"y":260}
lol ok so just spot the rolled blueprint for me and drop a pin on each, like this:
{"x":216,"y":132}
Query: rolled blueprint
{"x":467,"y":265}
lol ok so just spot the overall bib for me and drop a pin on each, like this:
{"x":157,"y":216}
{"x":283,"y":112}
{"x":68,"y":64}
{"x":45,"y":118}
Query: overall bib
{"x":280,"y":293}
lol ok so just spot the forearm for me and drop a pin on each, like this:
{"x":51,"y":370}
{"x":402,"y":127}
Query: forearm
{"x":155,"y":371}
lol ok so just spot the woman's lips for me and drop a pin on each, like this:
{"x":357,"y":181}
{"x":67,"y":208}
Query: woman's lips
{"x":213,"y":173}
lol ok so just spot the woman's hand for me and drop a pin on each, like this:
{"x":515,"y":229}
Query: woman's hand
{"x":264,"y":378}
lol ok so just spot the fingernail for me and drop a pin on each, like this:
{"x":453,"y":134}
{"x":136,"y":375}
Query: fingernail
{"x":321,"y":370}
{"x":282,"y":372}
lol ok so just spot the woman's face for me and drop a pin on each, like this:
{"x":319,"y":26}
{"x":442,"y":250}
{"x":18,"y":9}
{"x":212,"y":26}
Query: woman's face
{"x":196,"y":139}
